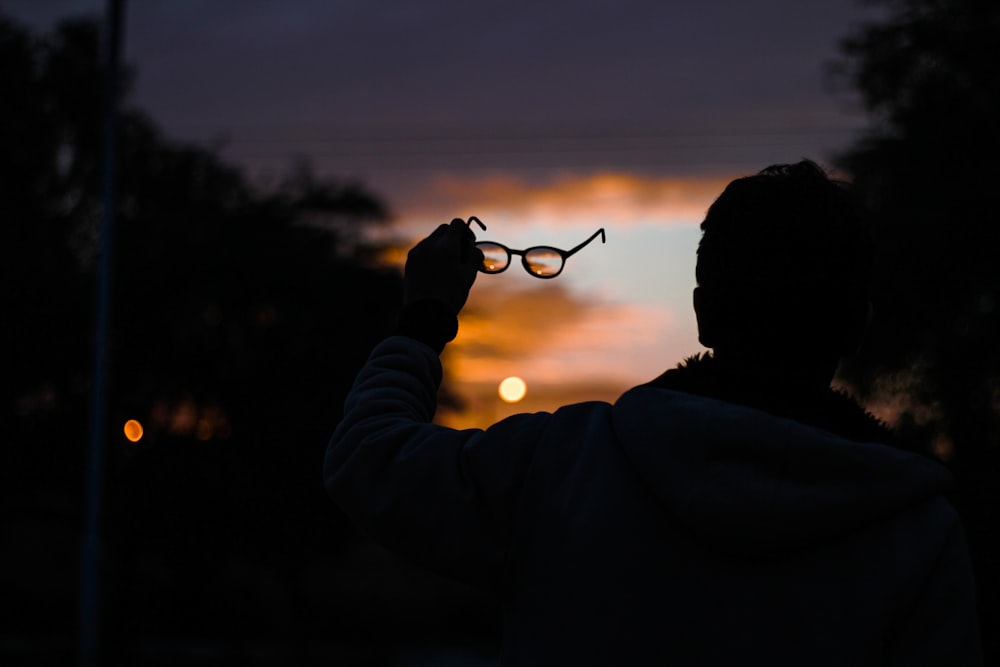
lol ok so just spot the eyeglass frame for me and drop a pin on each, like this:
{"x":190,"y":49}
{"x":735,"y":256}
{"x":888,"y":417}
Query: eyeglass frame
{"x":563,"y":254}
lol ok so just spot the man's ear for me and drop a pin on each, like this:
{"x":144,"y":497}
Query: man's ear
{"x":703,"y":312}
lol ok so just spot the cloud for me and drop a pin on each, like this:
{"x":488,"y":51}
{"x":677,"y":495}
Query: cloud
{"x":565,"y":348}
{"x":502,"y":321}
{"x":606,"y":198}
{"x":550,"y":335}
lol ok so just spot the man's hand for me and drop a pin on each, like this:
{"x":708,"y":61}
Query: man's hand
{"x":443,"y":266}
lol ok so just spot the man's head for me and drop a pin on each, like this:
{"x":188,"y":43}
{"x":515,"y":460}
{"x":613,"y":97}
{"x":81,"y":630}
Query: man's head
{"x":784,"y":269}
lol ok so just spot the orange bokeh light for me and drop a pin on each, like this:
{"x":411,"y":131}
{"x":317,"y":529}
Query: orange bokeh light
{"x":133,"y":430}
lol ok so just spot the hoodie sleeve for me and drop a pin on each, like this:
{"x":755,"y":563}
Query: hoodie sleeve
{"x":442,"y":497}
{"x":942,"y":627}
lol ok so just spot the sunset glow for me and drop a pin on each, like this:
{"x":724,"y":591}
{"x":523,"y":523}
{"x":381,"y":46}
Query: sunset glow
{"x":618,"y":315}
{"x":609,"y":199}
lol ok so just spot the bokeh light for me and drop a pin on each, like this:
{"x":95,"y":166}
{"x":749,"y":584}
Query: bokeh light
{"x":133,"y":430}
{"x":512,"y":389}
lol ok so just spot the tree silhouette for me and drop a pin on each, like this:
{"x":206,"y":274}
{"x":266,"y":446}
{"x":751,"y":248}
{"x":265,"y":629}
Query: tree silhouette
{"x":240,"y":317}
{"x":927,"y":173}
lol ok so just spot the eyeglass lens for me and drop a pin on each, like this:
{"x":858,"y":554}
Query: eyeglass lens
{"x":495,"y":257}
{"x":543,"y":262}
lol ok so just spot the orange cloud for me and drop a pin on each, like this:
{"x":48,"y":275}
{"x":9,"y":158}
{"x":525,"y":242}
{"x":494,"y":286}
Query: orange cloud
{"x":565,"y":350}
{"x":607,"y":198}
{"x":501,"y":329}
{"x":499,"y":321}
{"x":549,"y":335}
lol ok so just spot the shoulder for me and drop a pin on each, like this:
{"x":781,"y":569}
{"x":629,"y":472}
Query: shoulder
{"x":668,"y":411}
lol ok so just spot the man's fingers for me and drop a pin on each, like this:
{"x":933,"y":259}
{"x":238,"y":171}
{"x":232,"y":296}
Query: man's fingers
{"x":466,"y":239}
{"x":461,"y":231}
{"x":455,"y":237}
{"x":475,"y":258}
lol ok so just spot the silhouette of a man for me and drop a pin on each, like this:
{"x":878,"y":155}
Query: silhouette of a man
{"x":735,"y":510}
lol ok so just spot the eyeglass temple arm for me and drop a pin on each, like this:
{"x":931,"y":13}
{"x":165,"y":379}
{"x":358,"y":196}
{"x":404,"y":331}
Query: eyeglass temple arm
{"x":474,"y":219}
{"x":599,"y":232}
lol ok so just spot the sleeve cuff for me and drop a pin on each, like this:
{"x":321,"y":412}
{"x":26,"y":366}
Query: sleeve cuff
{"x":429,"y":321}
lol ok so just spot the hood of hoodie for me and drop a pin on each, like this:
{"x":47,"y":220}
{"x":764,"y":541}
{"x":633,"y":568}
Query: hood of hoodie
{"x":755,"y":484}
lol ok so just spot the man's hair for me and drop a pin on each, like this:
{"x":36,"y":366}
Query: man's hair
{"x":784,"y":254}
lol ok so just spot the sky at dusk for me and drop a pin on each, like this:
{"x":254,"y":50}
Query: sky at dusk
{"x":548,"y":120}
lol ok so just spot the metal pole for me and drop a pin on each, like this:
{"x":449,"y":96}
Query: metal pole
{"x":90,"y":579}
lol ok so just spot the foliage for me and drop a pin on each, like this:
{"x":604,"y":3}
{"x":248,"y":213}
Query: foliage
{"x":240,"y":317}
{"x":927,"y":173}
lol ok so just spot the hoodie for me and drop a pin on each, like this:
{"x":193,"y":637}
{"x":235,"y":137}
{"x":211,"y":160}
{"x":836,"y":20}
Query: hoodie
{"x":668,"y":527}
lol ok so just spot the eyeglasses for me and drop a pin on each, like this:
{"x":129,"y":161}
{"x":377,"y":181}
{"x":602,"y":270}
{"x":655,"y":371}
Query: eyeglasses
{"x":541,"y":261}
